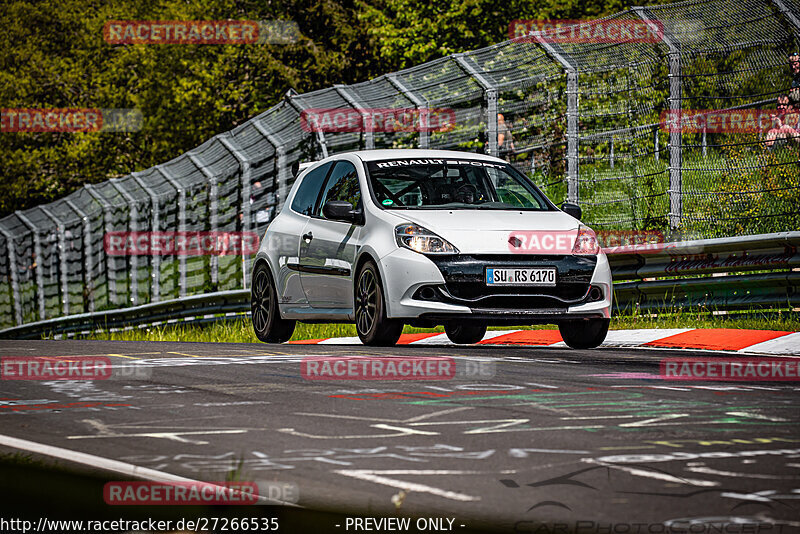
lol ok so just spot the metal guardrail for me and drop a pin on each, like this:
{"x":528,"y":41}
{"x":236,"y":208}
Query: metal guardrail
{"x":660,"y":272}
{"x":662,"y":284}
{"x":207,"y":307}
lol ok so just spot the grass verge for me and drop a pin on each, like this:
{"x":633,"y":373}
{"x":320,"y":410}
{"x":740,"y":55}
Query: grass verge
{"x":240,"y":330}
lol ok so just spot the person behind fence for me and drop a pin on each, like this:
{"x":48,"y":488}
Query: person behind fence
{"x":505,"y":140}
{"x":784,"y":125}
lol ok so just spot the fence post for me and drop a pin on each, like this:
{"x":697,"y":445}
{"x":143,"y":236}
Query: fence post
{"x":37,"y":251}
{"x":155,"y":259}
{"x":88,"y":280}
{"x":573,"y":115}
{"x":62,"y":259}
{"x":792,"y":16}
{"x":133,"y":226}
{"x":369,"y":136}
{"x":12,"y":263}
{"x":656,"y":148}
{"x":611,"y":154}
{"x":213,"y":207}
{"x":291,"y":95}
{"x":244,"y":164}
{"x":181,"y":190}
{"x":675,"y":145}
{"x":419,"y":102}
{"x":282,"y":169}
{"x":491,"y":99}
{"x":111,"y":274}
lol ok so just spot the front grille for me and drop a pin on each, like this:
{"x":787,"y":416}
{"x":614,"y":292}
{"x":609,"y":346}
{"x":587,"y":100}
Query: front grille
{"x":465,"y":280}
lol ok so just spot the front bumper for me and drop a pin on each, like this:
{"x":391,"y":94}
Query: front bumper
{"x":437,"y":289}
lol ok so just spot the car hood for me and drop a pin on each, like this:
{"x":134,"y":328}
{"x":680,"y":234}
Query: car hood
{"x":489,"y":231}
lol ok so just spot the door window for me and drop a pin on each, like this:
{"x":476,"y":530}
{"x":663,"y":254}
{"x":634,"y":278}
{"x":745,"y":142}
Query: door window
{"x":342,"y":185}
{"x":308,"y":190}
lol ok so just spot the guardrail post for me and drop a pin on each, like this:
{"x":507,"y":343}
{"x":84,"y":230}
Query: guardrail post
{"x":244,"y":164}
{"x":282,"y":169}
{"x":213,"y":210}
{"x":419,"y":102}
{"x":675,"y":145}
{"x":88,"y":280}
{"x":291,"y":95}
{"x":62,"y":260}
{"x":155,"y":259}
{"x":111,"y":275}
{"x":490,"y":91}
{"x":573,"y":115}
{"x":181,"y":190}
{"x":133,"y":226}
{"x":37,"y":251}
{"x":369,"y":136}
{"x":12,"y":263}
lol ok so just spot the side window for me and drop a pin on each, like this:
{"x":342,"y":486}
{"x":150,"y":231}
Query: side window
{"x":342,"y":185}
{"x":308,"y":190}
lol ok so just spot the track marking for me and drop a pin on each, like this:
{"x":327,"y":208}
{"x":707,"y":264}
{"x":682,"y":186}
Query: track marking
{"x":172,"y":436}
{"x":124,"y":356}
{"x":370,"y":475}
{"x":658,"y":476}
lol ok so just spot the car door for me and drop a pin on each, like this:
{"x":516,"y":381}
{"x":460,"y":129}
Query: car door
{"x":328,"y":248}
{"x":286,"y":230}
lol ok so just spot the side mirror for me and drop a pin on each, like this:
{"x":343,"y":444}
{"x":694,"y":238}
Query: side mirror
{"x":572,"y":209}
{"x":341,"y":210}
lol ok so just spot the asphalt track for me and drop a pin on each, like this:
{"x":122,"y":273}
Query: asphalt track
{"x":557,"y":440}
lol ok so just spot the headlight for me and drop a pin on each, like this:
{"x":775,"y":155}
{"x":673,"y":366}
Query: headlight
{"x":422,"y":240}
{"x":586,"y":242}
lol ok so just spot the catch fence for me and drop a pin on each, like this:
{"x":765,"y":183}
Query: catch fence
{"x":587,"y":122}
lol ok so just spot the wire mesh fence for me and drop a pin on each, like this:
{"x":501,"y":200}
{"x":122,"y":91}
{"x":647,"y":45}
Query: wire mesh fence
{"x":584,"y":118}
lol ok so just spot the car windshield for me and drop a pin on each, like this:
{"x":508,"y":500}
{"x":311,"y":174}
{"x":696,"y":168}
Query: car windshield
{"x":452,"y":184}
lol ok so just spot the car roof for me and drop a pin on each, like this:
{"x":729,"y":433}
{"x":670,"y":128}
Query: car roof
{"x":375,"y":155}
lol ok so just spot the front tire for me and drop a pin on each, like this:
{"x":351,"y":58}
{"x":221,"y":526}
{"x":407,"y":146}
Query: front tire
{"x":372,"y":325}
{"x":465,"y":334}
{"x":266,"y":318}
{"x":584,"y":333}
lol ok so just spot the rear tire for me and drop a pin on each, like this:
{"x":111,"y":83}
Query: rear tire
{"x":584,"y":333}
{"x":465,"y":334}
{"x":266,"y":318}
{"x":373,"y":327}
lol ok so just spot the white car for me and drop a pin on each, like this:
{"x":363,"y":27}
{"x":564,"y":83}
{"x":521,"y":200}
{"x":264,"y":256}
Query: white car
{"x":384,"y":238}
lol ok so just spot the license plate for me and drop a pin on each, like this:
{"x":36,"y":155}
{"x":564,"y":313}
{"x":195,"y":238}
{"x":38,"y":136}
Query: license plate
{"x":521,"y":277}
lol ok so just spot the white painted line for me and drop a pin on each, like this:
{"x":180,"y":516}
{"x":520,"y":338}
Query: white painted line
{"x":785,"y":345}
{"x":374,"y":476}
{"x":115,"y":466}
{"x":341,"y":341}
{"x":636,"y":337}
